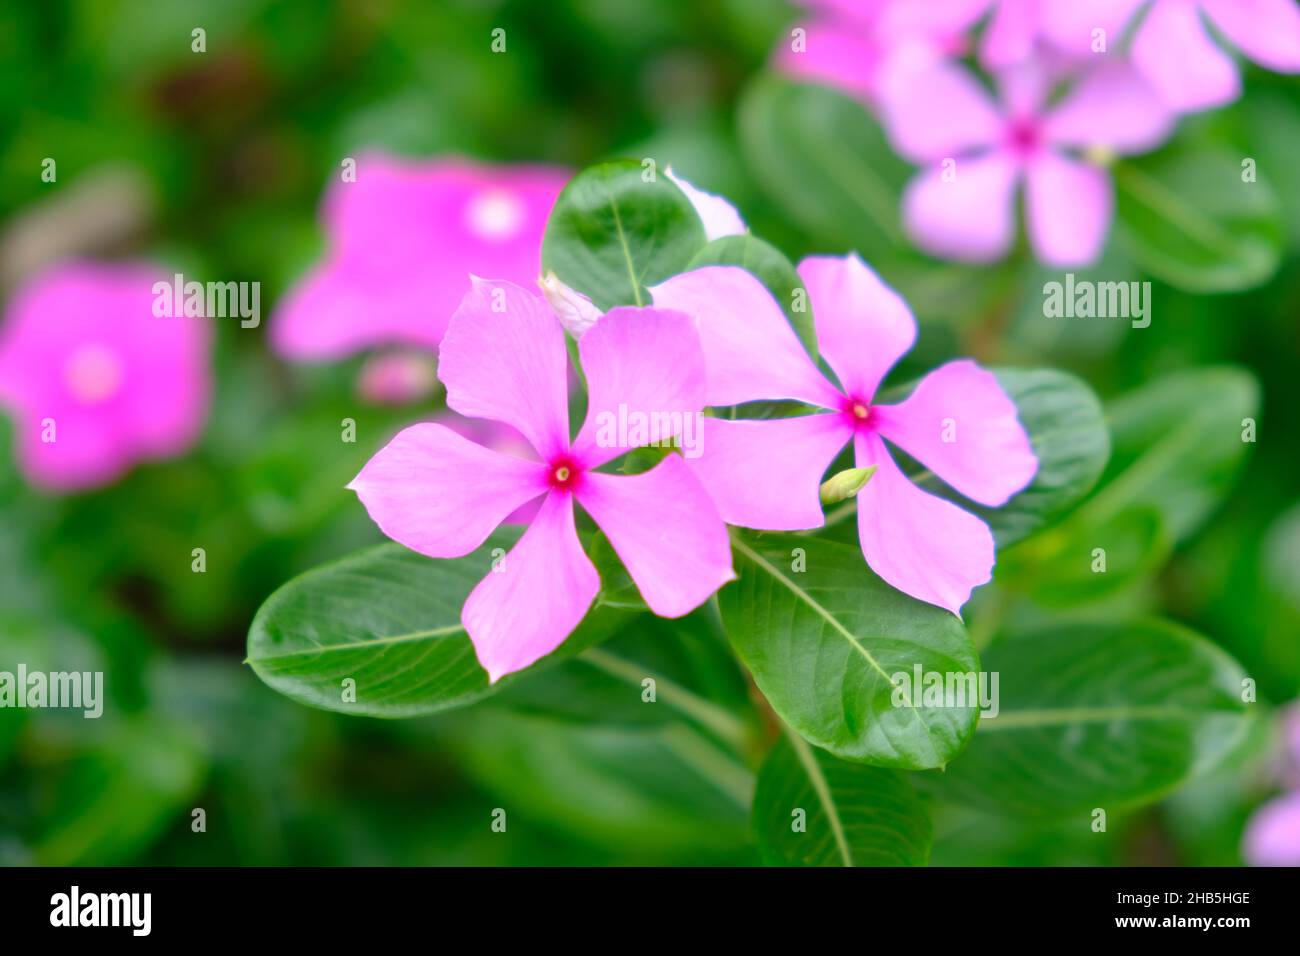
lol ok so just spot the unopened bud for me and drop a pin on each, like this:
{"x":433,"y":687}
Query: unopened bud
{"x":846,"y":484}
{"x":576,"y":312}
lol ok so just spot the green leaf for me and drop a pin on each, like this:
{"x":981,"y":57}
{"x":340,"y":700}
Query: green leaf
{"x":653,"y":790}
{"x":852,"y":815}
{"x":821,"y":156}
{"x":1177,"y":445}
{"x":1099,"y":715}
{"x":611,"y":234}
{"x":824,"y":644}
{"x":389,"y":619}
{"x":770,"y":266}
{"x":1188,"y":218}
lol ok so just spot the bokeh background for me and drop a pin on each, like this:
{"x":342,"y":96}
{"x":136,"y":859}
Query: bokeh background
{"x":215,"y":163}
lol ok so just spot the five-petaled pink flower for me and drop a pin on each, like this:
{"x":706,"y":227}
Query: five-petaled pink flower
{"x":402,"y":238}
{"x":767,"y":474}
{"x":1173,"y":52}
{"x":962,"y":205}
{"x":504,"y":358}
{"x":95,"y":380}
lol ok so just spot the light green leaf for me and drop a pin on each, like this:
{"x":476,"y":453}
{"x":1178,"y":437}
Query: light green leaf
{"x":1099,"y":715}
{"x":1188,"y":217}
{"x":823,"y":158}
{"x":811,"y":809}
{"x":612,"y":234}
{"x":824,"y":643}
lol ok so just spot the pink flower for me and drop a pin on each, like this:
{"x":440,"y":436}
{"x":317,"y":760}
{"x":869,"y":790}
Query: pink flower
{"x":864,"y":47}
{"x":504,"y":359}
{"x":1018,"y":28}
{"x":1173,"y":52}
{"x":95,"y":381}
{"x":1273,"y":834}
{"x":398,"y":378}
{"x":402,"y":239}
{"x":977,"y":153}
{"x":767,"y":474}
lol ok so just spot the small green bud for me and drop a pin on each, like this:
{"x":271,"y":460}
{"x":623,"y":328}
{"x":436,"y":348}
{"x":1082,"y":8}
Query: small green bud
{"x":846,"y":484}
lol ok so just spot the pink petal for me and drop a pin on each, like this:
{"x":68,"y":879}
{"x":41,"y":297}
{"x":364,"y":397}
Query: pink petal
{"x":1069,"y":23}
{"x":504,"y":358}
{"x":526,"y":606}
{"x":402,"y":240}
{"x":1069,"y":206}
{"x":440,"y":494}
{"x":665,"y":530}
{"x":1111,"y":106}
{"x":961,"y":425}
{"x":1176,"y":56}
{"x":923,"y":545}
{"x":1272,"y":836}
{"x":1009,"y":37}
{"x":841,"y":57}
{"x":768,"y":474}
{"x":968,"y":217}
{"x":640,"y":364}
{"x":941,"y":111}
{"x":751,"y":352}
{"x":863,"y":326}
{"x":1267,"y":31}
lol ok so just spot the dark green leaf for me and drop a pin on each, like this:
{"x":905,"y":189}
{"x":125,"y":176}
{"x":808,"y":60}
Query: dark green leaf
{"x":824,"y":644}
{"x":612,"y":234}
{"x":811,"y":809}
{"x":1099,"y":716}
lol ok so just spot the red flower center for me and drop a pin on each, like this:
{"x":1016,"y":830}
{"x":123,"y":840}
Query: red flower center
{"x":1022,"y":136}
{"x":858,"y":410}
{"x":564,"y":475}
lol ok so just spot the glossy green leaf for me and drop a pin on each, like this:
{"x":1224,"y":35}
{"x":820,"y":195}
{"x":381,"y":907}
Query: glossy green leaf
{"x":1190,"y":218}
{"x":612,"y":234}
{"x":388,"y":619}
{"x":770,"y":266}
{"x":812,"y":809}
{"x":1099,"y":716}
{"x":825,"y":160}
{"x":823,"y":638}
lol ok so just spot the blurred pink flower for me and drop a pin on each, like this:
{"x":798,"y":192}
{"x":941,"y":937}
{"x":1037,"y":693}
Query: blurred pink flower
{"x":504,"y":359}
{"x":863,"y":47}
{"x":398,"y":378}
{"x":1174,"y":53}
{"x":767,"y":474}
{"x":1017,"y":29}
{"x":1272,"y":836}
{"x":977,"y":152}
{"x":403,"y":239}
{"x":95,"y":381}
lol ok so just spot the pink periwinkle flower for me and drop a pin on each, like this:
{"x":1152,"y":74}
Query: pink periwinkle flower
{"x":1174,"y":53}
{"x":864,"y":47}
{"x":1272,"y":836}
{"x":402,"y":238}
{"x":96,"y":382}
{"x":767,"y":474}
{"x":398,"y":377}
{"x":976,"y":153}
{"x":1016,"y":29}
{"x":504,"y":359}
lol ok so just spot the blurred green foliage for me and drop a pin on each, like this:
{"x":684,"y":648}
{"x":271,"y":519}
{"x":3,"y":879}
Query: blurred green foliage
{"x":232,"y":148}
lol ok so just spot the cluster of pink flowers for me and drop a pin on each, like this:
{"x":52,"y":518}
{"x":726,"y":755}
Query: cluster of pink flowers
{"x":1130,"y":68}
